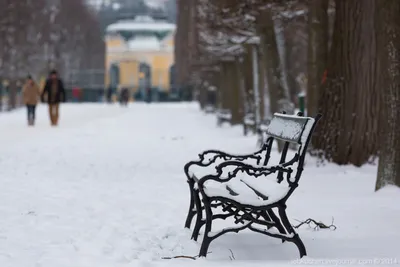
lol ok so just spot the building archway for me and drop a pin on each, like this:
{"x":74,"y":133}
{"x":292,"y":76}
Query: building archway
{"x":144,"y":78}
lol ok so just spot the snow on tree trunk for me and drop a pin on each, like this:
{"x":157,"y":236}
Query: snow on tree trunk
{"x":388,"y":41}
{"x":347,"y":133}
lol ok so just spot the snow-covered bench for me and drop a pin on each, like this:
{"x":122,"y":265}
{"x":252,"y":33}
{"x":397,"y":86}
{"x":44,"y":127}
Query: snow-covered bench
{"x":246,"y":189}
{"x":261,"y":131}
{"x":249,"y":123}
{"x":223,"y":115}
{"x":207,"y":162}
{"x":208,"y":108}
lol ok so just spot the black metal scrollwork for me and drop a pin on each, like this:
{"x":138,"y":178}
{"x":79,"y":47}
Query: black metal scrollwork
{"x":259,"y":219}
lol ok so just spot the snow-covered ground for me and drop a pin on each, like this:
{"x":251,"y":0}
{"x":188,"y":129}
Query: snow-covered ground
{"x":106,"y":188}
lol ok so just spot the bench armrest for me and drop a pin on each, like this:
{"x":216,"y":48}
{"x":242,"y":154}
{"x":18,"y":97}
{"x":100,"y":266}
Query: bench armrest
{"x":241,"y":167}
{"x":210,"y":156}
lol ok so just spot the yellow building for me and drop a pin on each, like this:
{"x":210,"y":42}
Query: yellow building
{"x":139,"y":54}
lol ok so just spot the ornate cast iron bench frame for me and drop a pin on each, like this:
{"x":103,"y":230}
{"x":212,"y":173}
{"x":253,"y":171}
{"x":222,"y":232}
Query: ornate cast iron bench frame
{"x":249,"y":216}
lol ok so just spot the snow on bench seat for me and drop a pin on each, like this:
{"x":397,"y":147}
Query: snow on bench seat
{"x":224,"y":114}
{"x":240,"y":190}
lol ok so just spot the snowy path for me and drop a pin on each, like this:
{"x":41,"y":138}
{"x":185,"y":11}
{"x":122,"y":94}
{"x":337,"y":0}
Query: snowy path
{"x":106,"y":188}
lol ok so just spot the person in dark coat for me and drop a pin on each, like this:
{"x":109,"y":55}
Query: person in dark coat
{"x":109,"y":94}
{"x":55,"y":91}
{"x":148,"y":94}
{"x":124,"y":98}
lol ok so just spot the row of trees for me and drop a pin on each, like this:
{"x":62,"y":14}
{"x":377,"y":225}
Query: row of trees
{"x":39,"y":35}
{"x":260,"y":55}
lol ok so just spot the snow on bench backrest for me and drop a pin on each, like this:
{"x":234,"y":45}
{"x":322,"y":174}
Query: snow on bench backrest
{"x":290,"y":128}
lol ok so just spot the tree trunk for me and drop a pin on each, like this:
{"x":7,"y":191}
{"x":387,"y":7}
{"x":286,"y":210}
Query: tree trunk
{"x":291,"y":73}
{"x":235,"y":92}
{"x":271,"y":59}
{"x":181,"y":42}
{"x":256,"y":84}
{"x":244,"y":104}
{"x":318,"y":41}
{"x":223,"y":87}
{"x":349,"y":102}
{"x":261,"y":85}
{"x":388,"y":42}
{"x":12,"y":101}
{"x":202,"y":96}
{"x":247,"y":70}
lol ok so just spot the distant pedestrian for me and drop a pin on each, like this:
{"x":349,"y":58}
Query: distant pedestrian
{"x":54,"y":89}
{"x":109,"y":94}
{"x":124,"y":98}
{"x":148,"y":95}
{"x":30,"y":94}
{"x":76,"y":94}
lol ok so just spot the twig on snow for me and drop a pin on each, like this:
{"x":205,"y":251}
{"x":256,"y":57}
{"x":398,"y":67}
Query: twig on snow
{"x":232,"y":257}
{"x":182,"y":257}
{"x":179,"y":257}
{"x":318,"y":225}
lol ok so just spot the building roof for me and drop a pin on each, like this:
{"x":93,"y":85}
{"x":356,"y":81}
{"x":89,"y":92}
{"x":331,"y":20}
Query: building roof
{"x":141,"y":23}
{"x":144,"y":43}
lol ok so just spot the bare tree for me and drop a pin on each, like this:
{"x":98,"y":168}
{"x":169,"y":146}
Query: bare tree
{"x":41,"y":34}
{"x":388,"y":41}
{"x":318,"y":39}
{"x":349,"y":100}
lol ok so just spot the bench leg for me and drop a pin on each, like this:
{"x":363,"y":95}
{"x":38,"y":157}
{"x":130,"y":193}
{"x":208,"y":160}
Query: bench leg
{"x":192,"y":210}
{"x":199,"y":217}
{"x":296,"y":238}
{"x":300,"y":245}
{"x":277,"y":222}
{"x":206,"y":239}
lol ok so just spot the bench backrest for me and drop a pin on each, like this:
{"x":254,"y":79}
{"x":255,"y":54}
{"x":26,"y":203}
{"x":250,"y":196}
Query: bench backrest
{"x":294,"y":129}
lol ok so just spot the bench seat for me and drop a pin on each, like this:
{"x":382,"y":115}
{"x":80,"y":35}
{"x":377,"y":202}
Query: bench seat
{"x":248,"y":190}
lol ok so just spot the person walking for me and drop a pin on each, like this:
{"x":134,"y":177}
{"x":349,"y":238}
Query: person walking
{"x":109,"y":94}
{"x":148,"y":94}
{"x":30,"y":94}
{"x":54,"y":89}
{"x":76,"y":94}
{"x":124,"y":97}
